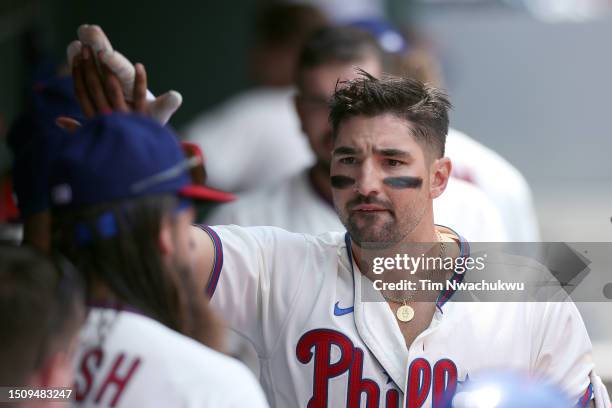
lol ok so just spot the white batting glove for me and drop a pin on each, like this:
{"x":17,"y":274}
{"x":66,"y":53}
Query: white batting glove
{"x":160,"y":108}
{"x":600,"y":393}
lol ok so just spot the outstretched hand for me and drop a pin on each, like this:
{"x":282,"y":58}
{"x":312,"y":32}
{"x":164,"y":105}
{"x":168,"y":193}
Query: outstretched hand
{"x":101,"y":92}
{"x":160,"y":108}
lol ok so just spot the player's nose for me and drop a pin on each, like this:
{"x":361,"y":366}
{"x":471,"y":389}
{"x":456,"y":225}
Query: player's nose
{"x":368,"y":182}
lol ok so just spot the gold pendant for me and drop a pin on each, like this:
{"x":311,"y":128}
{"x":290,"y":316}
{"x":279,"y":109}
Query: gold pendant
{"x":405,"y":313}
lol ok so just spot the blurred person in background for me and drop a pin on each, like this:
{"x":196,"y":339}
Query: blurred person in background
{"x":252,"y":132}
{"x":303,"y":202}
{"x":41,"y":311}
{"x":47,"y":92}
{"x":33,"y":140}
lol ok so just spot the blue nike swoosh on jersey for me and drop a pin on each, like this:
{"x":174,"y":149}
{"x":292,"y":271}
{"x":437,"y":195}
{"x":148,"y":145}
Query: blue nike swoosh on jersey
{"x":339,"y":311}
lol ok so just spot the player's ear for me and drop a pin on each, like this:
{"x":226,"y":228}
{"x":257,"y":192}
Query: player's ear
{"x":165,"y":241}
{"x":440,"y":171}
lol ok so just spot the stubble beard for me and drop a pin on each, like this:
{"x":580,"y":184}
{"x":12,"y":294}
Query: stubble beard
{"x":386,"y":235}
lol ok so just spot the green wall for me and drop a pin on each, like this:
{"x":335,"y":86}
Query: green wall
{"x":198,"y":48}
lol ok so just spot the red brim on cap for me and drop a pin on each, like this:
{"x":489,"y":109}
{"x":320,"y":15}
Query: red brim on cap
{"x":206,"y":194}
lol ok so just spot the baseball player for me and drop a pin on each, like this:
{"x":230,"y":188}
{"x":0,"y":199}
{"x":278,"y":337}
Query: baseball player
{"x":41,"y":310}
{"x":298,"y":298}
{"x":302,"y":202}
{"x":120,"y":193}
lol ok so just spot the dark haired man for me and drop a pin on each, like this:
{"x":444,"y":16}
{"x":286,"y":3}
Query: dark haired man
{"x":303,"y":202}
{"x":300,"y":299}
{"x":41,"y":310}
{"x":120,"y":192}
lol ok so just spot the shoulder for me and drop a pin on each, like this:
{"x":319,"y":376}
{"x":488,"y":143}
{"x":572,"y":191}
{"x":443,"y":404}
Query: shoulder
{"x":187,"y":369}
{"x":205,"y":374}
{"x":277,"y":238}
{"x":261,"y":234}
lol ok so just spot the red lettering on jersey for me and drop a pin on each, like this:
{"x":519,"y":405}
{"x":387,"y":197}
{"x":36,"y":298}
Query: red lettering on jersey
{"x":316,"y":345}
{"x":322,"y":340}
{"x":392,"y":400}
{"x":444,"y":383}
{"x":91,"y":361}
{"x":357,"y":384}
{"x":119,"y":381}
{"x":419,"y":383}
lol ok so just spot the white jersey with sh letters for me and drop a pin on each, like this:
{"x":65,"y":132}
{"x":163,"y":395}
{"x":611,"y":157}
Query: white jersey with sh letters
{"x":126,"y":360}
{"x":297,"y":298}
{"x":294,"y":205}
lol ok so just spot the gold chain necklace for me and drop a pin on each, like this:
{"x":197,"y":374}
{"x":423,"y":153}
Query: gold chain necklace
{"x":405,"y":313}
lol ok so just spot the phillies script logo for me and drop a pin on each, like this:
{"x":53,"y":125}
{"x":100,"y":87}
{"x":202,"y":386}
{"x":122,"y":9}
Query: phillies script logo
{"x":315,"y":347}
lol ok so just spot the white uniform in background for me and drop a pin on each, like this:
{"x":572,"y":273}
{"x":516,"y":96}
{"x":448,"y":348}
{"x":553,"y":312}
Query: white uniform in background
{"x":499,"y":180}
{"x":252,"y":140}
{"x":128,"y":360}
{"x":294,"y":205}
{"x":297,"y":298}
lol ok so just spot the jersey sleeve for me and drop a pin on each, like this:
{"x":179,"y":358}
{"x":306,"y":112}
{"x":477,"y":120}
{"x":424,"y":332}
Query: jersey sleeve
{"x":563,"y":355}
{"x":256,"y":277}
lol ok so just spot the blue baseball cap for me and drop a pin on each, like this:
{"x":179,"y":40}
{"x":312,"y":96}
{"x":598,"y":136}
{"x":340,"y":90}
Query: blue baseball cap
{"x":122,"y":156}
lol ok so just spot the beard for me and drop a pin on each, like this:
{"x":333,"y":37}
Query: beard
{"x":369,"y":231}
{"x":370,"y":236}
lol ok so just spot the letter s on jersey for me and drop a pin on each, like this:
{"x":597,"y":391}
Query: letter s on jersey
{"x":114,"y":381}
